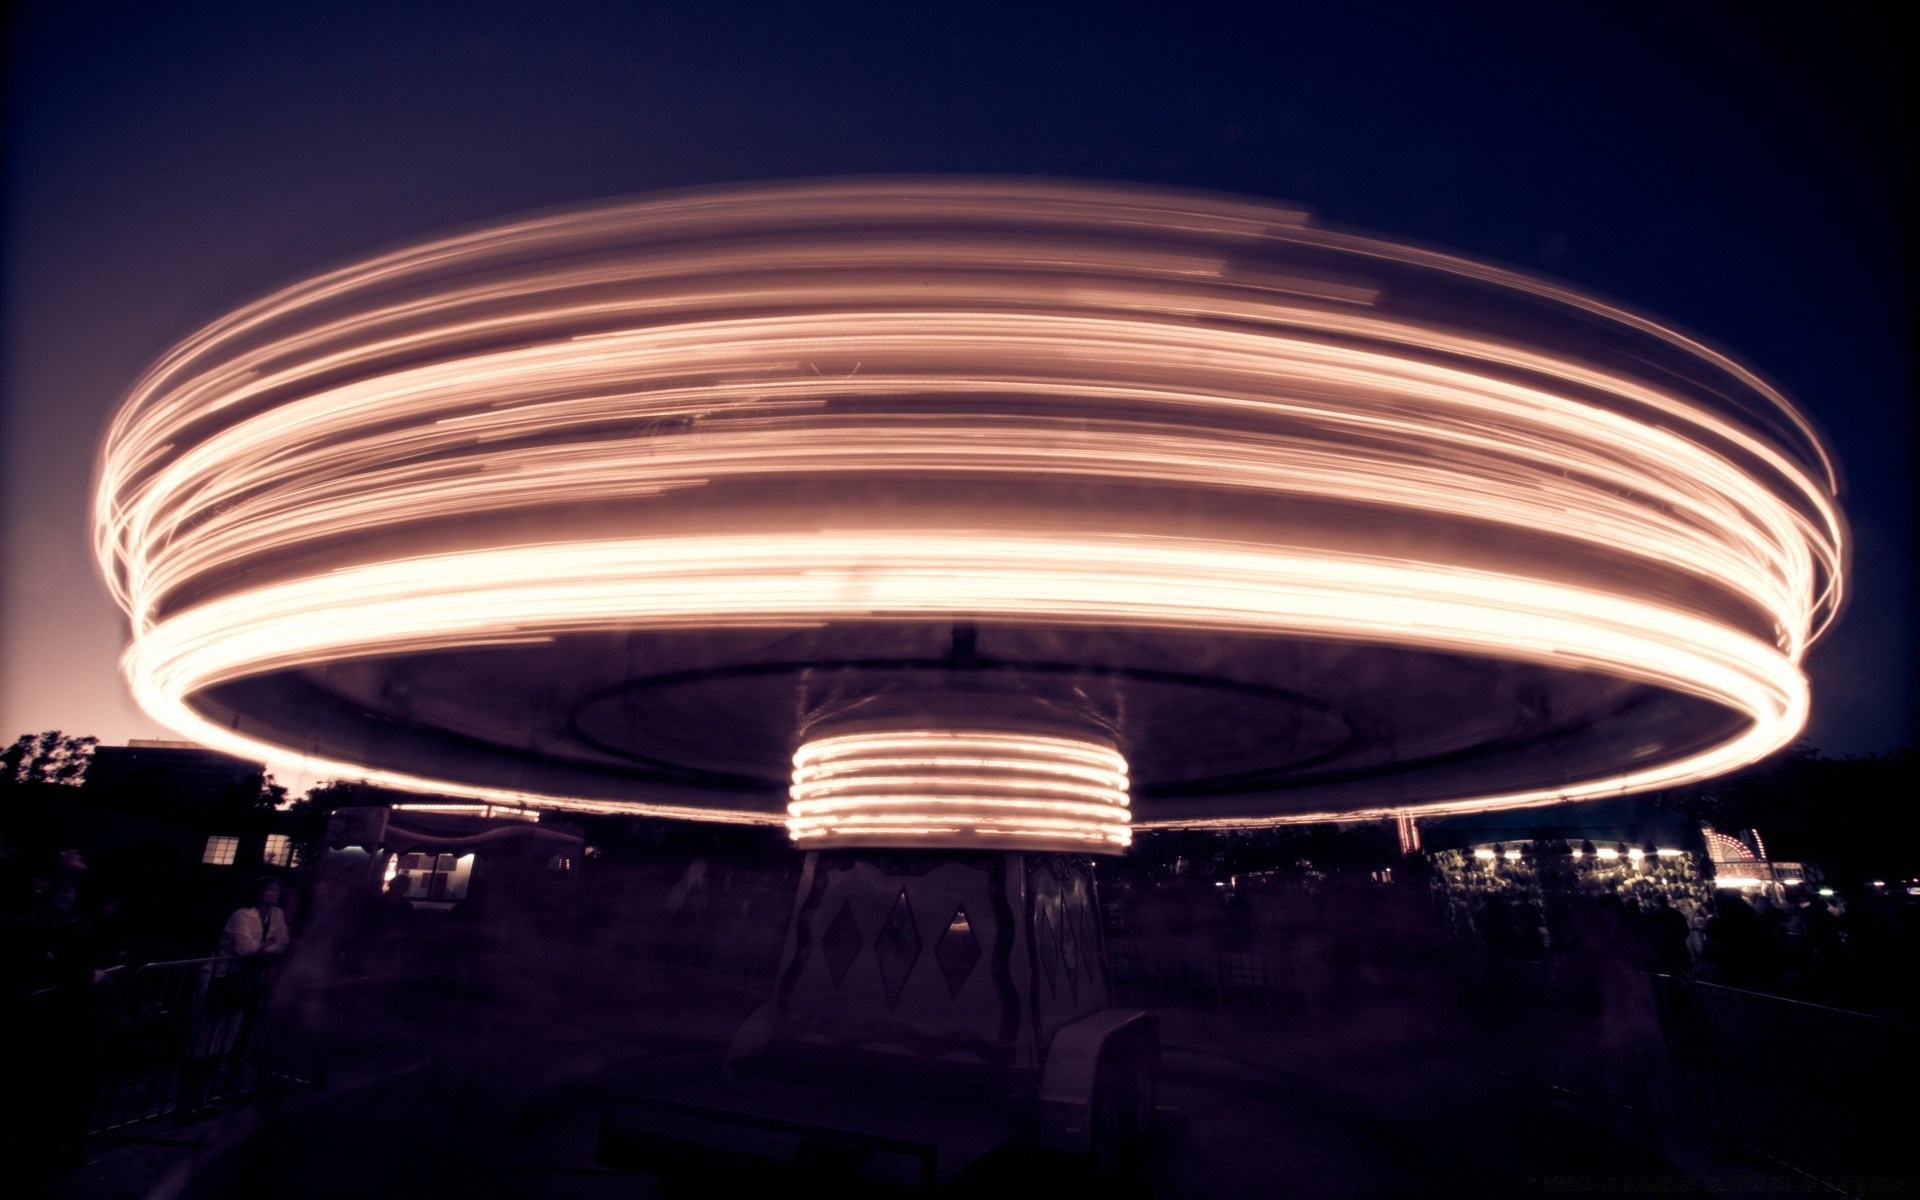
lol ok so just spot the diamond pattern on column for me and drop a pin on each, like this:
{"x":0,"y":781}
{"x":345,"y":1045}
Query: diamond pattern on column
{"x":842,"y":942}
{"x":957,"y":951}
{"x":1070,"y":946}
{"x":897,"y":947}
{"x":1049,"y":951}
{"x":1089,"y":942}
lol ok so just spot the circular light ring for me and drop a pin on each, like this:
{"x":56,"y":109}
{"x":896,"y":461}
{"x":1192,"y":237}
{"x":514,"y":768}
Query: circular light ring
{"x":927,"y":401}
{"x":959,"y":789}
{"x":776,"y":581}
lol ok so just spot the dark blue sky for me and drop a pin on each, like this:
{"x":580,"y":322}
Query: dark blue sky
{"x":1743,"y":178}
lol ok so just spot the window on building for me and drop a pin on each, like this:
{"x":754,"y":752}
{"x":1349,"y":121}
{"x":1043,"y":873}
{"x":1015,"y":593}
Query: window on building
{"x":221,"y":851}
{"x":279,"y":850}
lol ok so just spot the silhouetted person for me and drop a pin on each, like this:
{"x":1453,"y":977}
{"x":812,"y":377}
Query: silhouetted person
{"x":47,"y":943}
{"x":1520,"y":928}
{"x":1735,"y":953}
{"x":1240,"y":922}
{"x":234,"y":985}
{"x":686,"y":948}
{"x":1667,"y":933}
{"x":385,"y":926}
{"x":1489,"y":925}
{"x":257,"y":927}
{"x":1773,"y":930}
{"x":1876,"y":966}
{"x":52,"y":1013}
{"x":1612,"y":958}
{"x":391,"y":912}
{"x":1609,"y":953}
{"x":110,"y":933}
{"x":1822,"y":934}
{"x":1804,"y":976}
{"x":60,"y":938}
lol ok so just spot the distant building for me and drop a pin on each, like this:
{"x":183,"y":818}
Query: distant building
{"x":174,"y":774}
{"x":205,"y":800}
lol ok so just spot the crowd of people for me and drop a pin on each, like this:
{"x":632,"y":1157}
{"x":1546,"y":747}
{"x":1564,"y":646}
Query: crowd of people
{"x":1784,"y":944}
{"x":68,"y":957}
{"x":49,"y":937}
{"x":1824,"y":948}
{"x":1844,"y":950}
{"x":68,"y":967}
{"x":1652,"y":936}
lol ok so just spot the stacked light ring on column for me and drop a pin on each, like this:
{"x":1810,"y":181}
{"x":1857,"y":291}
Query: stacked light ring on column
{"x":959,"y":787}
{"x":394,"y":519}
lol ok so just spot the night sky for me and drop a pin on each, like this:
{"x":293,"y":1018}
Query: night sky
{"x":1746,"y":181}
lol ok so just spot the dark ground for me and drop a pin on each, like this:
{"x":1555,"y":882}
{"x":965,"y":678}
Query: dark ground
{"x":1372,"y":1059}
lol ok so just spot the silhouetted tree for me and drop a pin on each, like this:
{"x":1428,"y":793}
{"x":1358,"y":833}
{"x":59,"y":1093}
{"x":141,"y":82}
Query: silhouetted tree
{"x":306,"y":824}
{"x":340,"y":793}
{"x":49,"y":757}
{"x":1854,"y":816}
{"x":257,"y":791}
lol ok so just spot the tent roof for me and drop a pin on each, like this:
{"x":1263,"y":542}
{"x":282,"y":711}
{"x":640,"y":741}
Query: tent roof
{"x":1613,"y":819}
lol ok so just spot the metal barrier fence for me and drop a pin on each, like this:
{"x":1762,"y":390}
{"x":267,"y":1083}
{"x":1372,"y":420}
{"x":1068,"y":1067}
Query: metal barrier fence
{"x":176,"y":1035}
{"x":172,"y":1037}
{"x":1801,"y":1084}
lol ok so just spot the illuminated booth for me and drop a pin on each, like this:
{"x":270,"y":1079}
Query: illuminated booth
{"x":1741,"y":863}
{"x":1623,"y":847}
{"x":431,"y":864}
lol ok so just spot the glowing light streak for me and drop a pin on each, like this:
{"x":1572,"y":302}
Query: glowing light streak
{"x":330,"y":473}
{"x":475,"y":810}
{"x":440,"y":601}
{"x":1726,"y":848}
{"x":958,"y":788}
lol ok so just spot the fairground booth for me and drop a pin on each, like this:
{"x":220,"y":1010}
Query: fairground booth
{"x":1548,"y":857}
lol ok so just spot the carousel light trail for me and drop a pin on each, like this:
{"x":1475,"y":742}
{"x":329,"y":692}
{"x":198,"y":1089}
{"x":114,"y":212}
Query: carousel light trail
{"x":958,"y":788}
{"x":916,"y":401}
